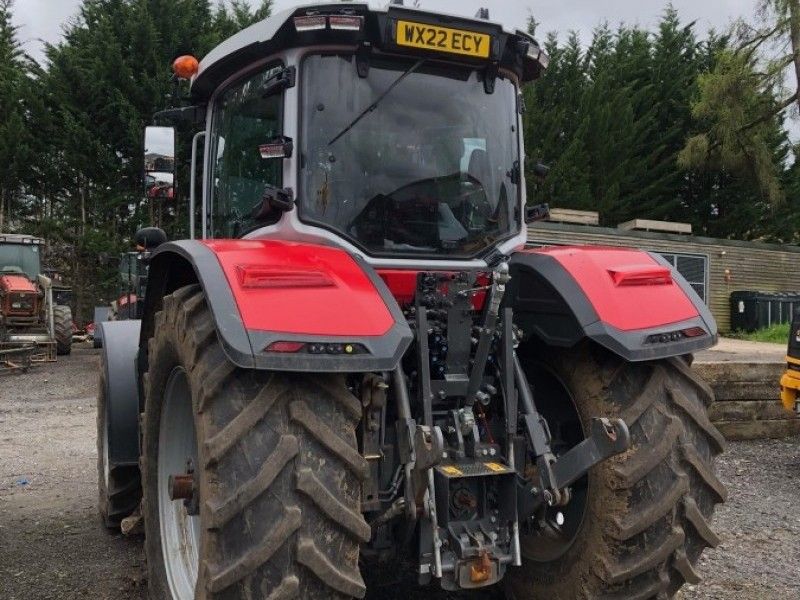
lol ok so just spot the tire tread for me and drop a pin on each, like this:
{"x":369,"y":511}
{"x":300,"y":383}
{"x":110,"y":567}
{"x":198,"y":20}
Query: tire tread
{"x":281,"y":479}
{"x":349,"y":584}
{"x":657,"y":498}
{"x":224,"y":577}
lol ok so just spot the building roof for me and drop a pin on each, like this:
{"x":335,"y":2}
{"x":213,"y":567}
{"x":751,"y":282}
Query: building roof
{"x":20,"y":238}
{"x":539,"y":228}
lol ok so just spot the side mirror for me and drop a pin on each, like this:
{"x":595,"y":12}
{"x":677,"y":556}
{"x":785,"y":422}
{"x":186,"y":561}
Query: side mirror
{"x":540,"y":212}
{"x":150,"y":238}
{"x":540,"y":171}
{"x":159,"y":162}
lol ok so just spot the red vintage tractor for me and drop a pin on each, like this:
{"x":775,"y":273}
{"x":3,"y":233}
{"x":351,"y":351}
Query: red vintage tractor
{"x":33,"y":310}
{"x":360,"y":373}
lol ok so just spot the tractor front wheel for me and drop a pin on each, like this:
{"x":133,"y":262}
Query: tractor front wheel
{"x":637,"y":524}
{"x":252,"y":480}
{"x":62,"y":319}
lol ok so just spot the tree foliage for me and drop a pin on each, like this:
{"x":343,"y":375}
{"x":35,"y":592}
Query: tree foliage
{"x":742,"y":101}
{"x":15,"y":132}
{"x":623,"y":121}
{"x":71,"y":132}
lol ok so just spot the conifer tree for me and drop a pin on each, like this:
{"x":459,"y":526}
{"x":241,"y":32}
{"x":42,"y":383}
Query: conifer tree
{"x":15,"y":139}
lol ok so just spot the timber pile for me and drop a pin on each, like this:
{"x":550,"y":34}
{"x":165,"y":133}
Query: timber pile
{"x":748,"y":405}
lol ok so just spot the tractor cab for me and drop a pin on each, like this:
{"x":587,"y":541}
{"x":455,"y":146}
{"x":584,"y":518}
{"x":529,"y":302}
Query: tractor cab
{"x":20,"y":254}
{"x":394,"y":134}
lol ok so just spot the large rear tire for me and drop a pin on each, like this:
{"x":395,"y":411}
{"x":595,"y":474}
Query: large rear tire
{"x":646,"y":512}
{"x":62,"y":319}
{"x":277,"y":470}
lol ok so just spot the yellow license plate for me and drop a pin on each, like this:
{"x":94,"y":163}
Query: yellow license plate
{"x":443,"y":39}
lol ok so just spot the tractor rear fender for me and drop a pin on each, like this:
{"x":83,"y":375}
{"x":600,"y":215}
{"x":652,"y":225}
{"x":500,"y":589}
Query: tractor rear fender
{"x":632,"y":302}
{"x":285,"y":306}
{"x":120,"y":348}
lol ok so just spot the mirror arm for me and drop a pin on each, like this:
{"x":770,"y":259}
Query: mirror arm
{"x":282,"y":80}
{"x":274,"y":199}
{"x":540,"y":212}
{"x":194,"y":115}
{"x":363,"y":55}
{"x":539,"y":170}
{"x":490,"y":76}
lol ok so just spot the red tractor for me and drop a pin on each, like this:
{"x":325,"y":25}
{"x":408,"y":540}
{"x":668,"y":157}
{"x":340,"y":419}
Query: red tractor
{"x":33,"y":307}
{"x":360,"y":373}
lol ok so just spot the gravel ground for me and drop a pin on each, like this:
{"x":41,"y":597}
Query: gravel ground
{"x":759,"y":557}
{"x":52,"y":545}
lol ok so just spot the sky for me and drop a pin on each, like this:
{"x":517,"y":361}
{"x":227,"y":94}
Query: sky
{"x":42,"y":20}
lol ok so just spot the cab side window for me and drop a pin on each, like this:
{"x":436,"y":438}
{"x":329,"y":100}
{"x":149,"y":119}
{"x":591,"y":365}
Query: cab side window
{"x":244,"y":119}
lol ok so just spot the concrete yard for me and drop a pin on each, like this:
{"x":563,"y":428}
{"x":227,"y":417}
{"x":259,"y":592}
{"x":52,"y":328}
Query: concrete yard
{"x":53,"y":547}
{"x":741,"y":351}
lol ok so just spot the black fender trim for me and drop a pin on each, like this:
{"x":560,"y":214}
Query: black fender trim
{"x":101,"y":315}
{"x":550,"y":305}
{"x":244,"y":347}
{"x":120,"y":350}
{"x":163,"y":279}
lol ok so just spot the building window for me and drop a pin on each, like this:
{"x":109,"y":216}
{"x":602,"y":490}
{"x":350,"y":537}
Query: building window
{"x":694,"y":268}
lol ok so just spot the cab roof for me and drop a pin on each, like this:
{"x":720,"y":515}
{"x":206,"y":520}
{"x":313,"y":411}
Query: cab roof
{"x":512,"y":49}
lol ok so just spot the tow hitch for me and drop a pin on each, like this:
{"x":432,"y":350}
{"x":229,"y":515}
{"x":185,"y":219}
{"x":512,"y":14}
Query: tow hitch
{"x":607,"y":438}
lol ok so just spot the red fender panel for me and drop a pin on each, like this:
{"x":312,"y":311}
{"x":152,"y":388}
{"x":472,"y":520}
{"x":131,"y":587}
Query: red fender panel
{"x":282,"y":306}
{"x":632,"y":302}
{"x":302,"y":289}
{"x":628,"y":289}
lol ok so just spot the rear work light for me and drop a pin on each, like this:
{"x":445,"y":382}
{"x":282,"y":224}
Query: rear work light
{"x":346,"y":23}
{"x":281,"y":147}
{"x":336,"y":23}
{"x":536,"y":53}
{"x":310,"y":23}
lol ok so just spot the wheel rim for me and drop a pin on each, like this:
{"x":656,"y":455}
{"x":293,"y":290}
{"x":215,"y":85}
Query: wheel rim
{"x":564,"y":523}
{"x":177,"y":445}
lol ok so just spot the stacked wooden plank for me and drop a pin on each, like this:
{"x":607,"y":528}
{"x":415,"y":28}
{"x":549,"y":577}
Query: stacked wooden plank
{"x":658,"y":226}
{"x":747,"y":402}
{"x":575,"y":217}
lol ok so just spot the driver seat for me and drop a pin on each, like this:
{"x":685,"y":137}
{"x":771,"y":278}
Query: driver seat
{"x":480,"y":168}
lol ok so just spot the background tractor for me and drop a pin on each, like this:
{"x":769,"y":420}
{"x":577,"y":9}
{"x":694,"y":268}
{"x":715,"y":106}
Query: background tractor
{"x":358,"y":372}
{"x":30,"y":312}
{"x":132,"y":283}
